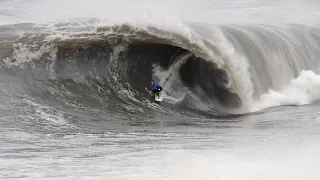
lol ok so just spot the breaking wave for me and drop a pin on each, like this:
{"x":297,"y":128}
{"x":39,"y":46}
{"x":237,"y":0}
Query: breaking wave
{"x":203,"y":68}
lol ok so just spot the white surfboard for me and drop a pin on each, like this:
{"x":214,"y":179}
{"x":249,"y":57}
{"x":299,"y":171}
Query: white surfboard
{"x":157,"y":98}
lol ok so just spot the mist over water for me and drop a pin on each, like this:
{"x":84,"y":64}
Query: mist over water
{"x":241,"y":92}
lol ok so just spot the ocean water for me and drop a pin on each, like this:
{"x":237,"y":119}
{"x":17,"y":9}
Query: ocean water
{"x":240,"y":82}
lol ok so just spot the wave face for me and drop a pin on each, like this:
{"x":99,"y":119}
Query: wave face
{"x":204,"y":69}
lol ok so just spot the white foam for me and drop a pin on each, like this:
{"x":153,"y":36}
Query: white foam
{"x":46,"y":114}
{"x":305,"y":89}
{"x":24,"y":54}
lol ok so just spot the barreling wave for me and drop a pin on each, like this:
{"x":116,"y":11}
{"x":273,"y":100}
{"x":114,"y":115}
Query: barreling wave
{"x":213,"y":69}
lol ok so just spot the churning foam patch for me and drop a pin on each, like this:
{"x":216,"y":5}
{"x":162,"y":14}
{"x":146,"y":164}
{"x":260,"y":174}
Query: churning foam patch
{"x":300,"y":91}
{"x":46,"y":114}
{"x":24,"y":54}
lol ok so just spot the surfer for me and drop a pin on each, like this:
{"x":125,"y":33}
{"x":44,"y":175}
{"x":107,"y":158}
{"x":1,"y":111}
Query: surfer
{"x":156,"y":88}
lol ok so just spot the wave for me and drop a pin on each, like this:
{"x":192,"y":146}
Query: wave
{"x":300,"y":91}
{"x":214,"y":69}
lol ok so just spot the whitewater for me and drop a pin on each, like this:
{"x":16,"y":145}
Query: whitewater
{"x":241,"y":94}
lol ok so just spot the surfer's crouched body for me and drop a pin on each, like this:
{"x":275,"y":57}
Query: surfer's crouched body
{"x":156,"y":88}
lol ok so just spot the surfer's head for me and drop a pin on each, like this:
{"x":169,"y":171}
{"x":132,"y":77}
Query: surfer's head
{"x":152,"y":81}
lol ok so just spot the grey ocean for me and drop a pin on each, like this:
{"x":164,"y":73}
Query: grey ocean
{"x":241,"y":94}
